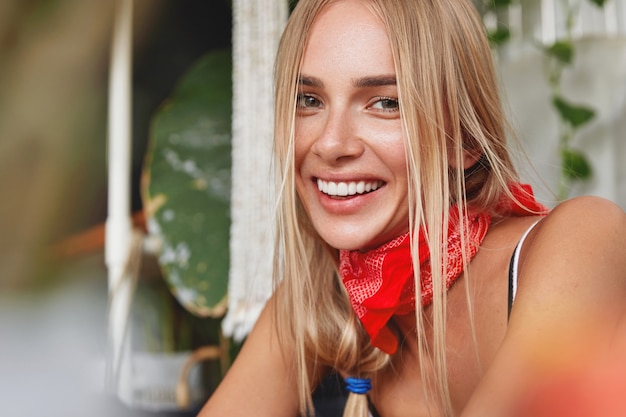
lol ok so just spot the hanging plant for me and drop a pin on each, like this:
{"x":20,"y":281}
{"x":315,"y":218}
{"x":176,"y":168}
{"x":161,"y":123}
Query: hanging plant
{"x":559,"y":55}
{"x":186,"y":186}
{"x":572,"y":116}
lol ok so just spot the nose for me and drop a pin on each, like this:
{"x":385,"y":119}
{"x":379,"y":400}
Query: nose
{"x":338,"y":139}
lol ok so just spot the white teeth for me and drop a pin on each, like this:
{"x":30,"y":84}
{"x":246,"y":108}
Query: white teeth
{"x":332,"y":188}
{"x":321,"y":184}
{"x":344,"y":189}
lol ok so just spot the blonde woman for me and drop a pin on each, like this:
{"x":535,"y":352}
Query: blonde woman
{"x":409,"y":258}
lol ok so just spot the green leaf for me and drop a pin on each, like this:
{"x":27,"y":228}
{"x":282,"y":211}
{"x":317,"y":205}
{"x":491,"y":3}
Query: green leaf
{"x":502,"y":3}
{"x":575,"y":165}
{"x":576,"y":115}
{"x":599,"y":3}
{"x":494,"y":4}
{"x":562,"y":50}
{"x":499,"y":36}
{"x":186,"y":187}
{"x":292,"y":5}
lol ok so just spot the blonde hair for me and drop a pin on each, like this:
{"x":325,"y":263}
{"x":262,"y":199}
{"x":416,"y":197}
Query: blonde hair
{"x":449,"y":107}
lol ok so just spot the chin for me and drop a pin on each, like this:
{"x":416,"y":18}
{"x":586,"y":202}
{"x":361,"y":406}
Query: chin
{"x":359,"y":233}
{"x":342,"y":243}
{"x":352,"y":241}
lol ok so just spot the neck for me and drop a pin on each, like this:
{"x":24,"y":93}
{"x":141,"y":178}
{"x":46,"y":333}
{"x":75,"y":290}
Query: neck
{"x":406,"y":327}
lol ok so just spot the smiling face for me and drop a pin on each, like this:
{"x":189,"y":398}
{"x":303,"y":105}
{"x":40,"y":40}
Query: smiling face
{"x":349,"y":153}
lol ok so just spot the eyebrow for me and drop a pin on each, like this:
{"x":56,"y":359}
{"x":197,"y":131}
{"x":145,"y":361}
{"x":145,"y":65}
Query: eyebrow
{"x":375,"y":81}
{"x":362,"y":82}
{"x":310,"y":81}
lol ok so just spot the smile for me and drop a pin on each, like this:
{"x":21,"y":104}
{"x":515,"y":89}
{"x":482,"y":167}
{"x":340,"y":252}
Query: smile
{"x":345,"y":189}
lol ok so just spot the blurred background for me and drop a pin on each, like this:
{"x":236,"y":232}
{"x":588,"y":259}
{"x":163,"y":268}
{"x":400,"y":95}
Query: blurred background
{"x":54,"y":57}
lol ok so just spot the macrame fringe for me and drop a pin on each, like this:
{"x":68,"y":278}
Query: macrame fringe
{"x":257,"y":26}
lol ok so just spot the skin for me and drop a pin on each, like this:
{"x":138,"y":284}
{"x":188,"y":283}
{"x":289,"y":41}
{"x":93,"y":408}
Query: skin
{"x":571,"y":275}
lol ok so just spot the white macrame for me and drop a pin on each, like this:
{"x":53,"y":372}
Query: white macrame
{"x":257,"y":25}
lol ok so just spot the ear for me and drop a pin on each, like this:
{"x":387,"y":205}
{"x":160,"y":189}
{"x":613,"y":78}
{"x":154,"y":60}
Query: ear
{"x":476,"y":165}
{"x":470,"y":160}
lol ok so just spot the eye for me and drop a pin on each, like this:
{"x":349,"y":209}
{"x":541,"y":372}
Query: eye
{"x":307,"y":101}
{"x":386,"y":104}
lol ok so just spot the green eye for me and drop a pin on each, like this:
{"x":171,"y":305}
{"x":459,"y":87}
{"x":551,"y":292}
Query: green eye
{"x":386,"y":103}
{"x":307,"y":101}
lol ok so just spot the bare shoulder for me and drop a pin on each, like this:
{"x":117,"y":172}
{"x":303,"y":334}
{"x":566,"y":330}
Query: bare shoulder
{"x":585,"y":218}
{"x":581,"y":237}
{"x":572,"y":275}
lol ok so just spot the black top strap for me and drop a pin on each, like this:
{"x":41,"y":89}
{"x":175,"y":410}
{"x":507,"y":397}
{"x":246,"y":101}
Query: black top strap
{"x":512,"y":279}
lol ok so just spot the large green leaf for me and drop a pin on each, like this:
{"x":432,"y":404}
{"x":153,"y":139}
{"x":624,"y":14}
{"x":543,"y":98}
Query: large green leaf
{"x":186,"y":187}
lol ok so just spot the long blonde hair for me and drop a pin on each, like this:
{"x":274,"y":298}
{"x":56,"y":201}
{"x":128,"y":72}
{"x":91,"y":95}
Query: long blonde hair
{"x":449,"y":107}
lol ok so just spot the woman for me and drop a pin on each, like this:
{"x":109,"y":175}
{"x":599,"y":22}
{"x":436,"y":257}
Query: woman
{"x":398,"y":216}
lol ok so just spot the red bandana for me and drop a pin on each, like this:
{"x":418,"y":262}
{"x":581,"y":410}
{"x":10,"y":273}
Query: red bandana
{"x":380,"y":282}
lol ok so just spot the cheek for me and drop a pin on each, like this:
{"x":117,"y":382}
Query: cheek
{"x":383,"y":135}
{"x":300,"y":152}
{"x":300,"y":146}
{"x":394,"y":153}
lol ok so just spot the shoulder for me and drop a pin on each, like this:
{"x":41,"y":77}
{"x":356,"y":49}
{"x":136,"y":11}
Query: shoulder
{"x":573,"y":269}
{"x":581,"y":230}
{"x":579,"y":240}
{"x":587,"y":214}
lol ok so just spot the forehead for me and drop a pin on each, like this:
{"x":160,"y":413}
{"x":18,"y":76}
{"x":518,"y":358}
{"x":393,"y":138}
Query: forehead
{"x":347,"y":36}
